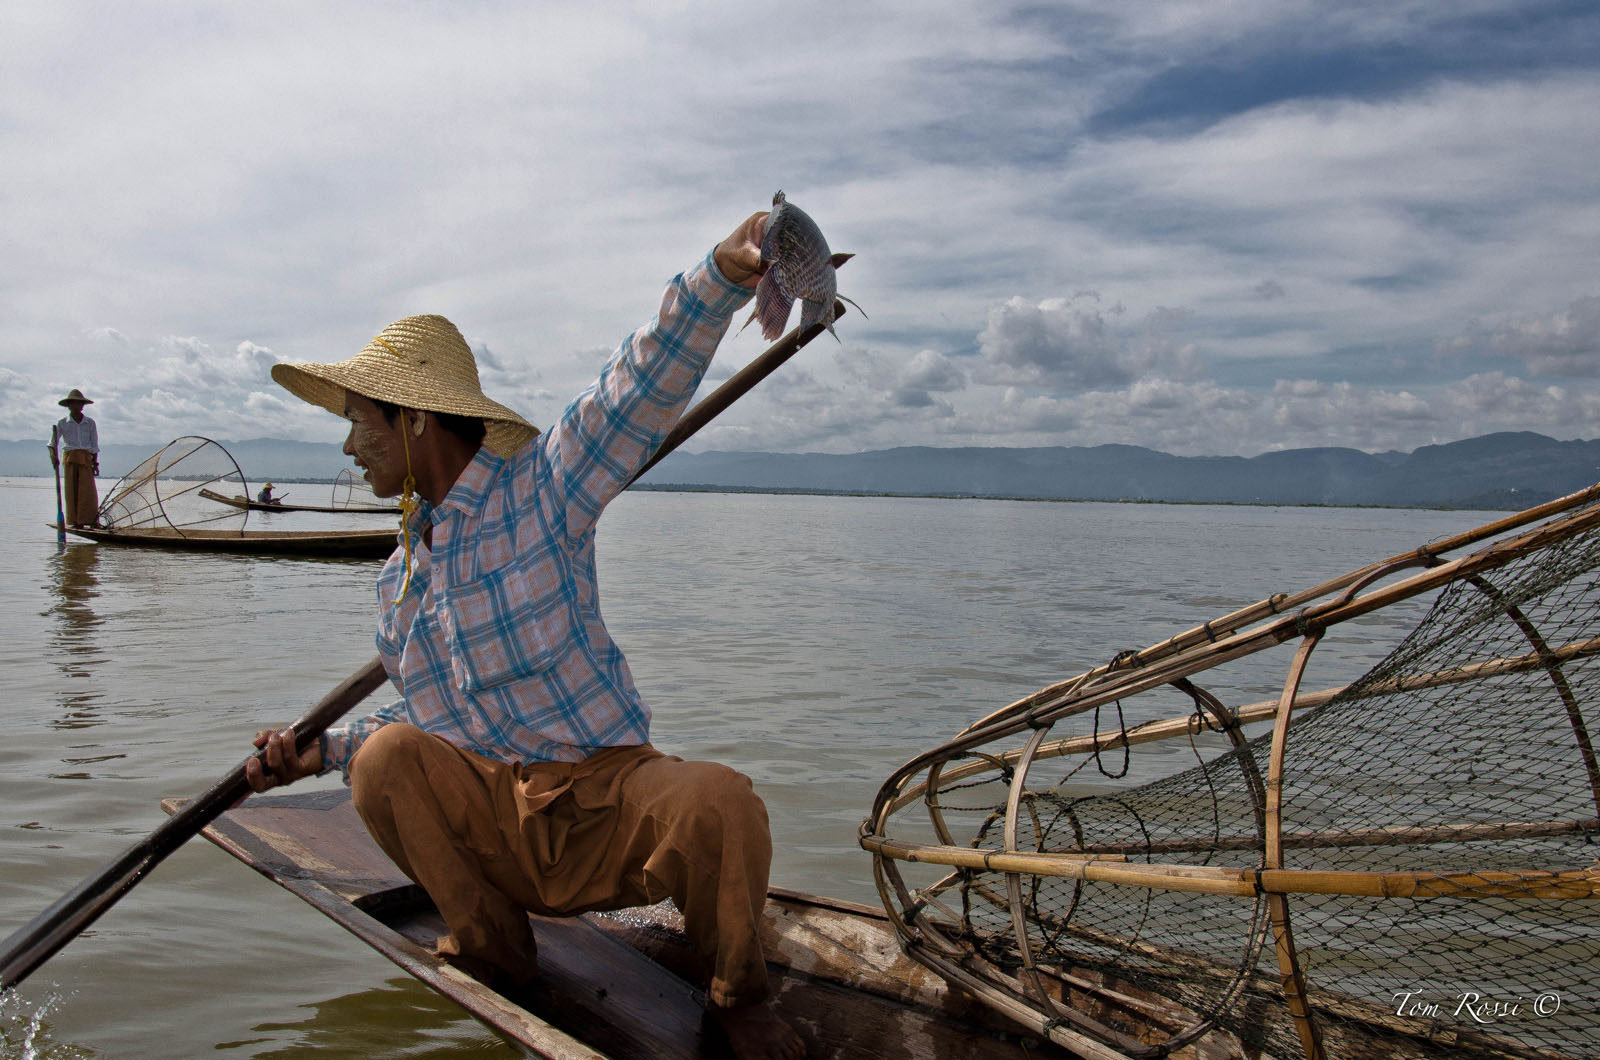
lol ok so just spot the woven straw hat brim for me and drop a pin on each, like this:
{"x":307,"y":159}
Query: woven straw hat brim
{"x":75,"y":397}
{"x":325,"y":385}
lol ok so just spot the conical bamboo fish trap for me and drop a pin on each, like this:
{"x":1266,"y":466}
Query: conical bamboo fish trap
{"x":1401,"y":866}
{"x":351,"y":491}
{"x":166,"y":490}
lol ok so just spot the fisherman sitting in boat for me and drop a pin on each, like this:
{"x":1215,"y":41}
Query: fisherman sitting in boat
{"x":516,"y":774}
{"x":265,"y":496}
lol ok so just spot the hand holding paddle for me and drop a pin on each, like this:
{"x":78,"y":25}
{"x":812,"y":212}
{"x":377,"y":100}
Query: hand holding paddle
{"x":280,"y":761}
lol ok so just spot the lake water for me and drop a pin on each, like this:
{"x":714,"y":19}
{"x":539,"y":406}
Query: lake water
{"x":815,"y":643}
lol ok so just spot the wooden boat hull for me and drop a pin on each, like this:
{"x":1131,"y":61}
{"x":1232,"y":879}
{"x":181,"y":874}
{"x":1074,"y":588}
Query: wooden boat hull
{"x":237,"y":501}
{"x":620,"y":986}
{"x":328,"y":544}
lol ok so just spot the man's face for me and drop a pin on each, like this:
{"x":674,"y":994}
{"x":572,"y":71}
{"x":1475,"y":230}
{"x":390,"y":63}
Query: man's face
{"x":376,"y":444}
{"x":76,"y":411}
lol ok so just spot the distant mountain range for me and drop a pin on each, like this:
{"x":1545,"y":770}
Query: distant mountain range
{"x":1507,"y":470}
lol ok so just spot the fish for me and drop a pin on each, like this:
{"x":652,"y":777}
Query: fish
{"x":799,"y":265}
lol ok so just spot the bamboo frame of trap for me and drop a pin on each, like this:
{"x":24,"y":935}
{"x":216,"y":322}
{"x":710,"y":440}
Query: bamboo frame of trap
{"x":1041,"y":995}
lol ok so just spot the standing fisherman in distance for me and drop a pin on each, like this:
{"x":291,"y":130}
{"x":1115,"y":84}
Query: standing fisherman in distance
{"x":516,"y":772}
{"x":80,"y":443}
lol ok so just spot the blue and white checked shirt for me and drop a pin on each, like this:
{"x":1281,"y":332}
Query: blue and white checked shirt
{"x":498,"y":645}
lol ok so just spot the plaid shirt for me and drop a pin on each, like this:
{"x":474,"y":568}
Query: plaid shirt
{"x":498,"y":645}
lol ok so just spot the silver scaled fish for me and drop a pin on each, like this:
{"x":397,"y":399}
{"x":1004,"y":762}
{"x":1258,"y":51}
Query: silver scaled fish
{"x":799,"y":265}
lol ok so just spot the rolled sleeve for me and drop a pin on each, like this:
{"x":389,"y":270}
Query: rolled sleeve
{"x":610,"y":430}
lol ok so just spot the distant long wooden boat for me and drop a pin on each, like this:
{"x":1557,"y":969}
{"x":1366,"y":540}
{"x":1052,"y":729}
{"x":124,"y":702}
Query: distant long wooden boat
{"x":623,"y":986}
{"x":330,"y":544}
{"x":257,"y":506}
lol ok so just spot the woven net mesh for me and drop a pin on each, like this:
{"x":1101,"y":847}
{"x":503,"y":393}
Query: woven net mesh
{"x":1461,"y":765}
{"x":351,"y":491}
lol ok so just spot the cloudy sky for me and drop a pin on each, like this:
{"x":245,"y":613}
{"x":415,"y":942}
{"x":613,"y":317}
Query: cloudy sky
{"x":1206,"y":227}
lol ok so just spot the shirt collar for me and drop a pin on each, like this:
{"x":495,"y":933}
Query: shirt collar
{"x":471,"y":490}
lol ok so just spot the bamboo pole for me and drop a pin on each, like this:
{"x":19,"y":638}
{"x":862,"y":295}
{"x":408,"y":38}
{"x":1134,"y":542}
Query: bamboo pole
{"x":1354,"y":837}
{"x":1533,"y":884}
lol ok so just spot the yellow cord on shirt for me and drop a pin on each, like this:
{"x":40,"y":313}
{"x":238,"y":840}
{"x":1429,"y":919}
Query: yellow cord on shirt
{"x":408,"y":508}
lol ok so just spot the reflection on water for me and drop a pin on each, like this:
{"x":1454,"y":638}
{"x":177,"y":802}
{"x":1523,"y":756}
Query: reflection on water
{"x":74,"y":634}
{"x":403,"y":1018}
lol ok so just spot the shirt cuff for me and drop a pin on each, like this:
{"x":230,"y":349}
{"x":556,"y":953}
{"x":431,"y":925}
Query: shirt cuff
{"x":335,"y":747}
{"x":721,"y":295}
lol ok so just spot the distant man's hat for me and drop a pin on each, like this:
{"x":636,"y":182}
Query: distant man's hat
{"x":267,"y":486}
{"x":75,"y":398}
{"x":419,"y":362}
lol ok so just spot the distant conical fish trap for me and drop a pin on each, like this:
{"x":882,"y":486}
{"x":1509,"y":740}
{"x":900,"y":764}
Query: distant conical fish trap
{"x":1399,"y":866}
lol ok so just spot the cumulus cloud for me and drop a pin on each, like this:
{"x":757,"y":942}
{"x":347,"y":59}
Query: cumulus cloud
{"x":1054,"y":344}
{"x":1066,"y":344}
{"x":927,"y":374}
{"x":1566,"y":343}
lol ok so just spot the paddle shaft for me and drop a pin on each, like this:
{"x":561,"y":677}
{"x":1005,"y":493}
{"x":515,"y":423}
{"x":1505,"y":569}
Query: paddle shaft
{"x":37,"y":941}
{"x":61,"y":515}
{"x":733,"y":388}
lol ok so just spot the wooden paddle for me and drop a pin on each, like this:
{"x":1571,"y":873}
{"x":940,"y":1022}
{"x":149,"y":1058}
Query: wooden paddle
{"x":61,"y":516}
{"x":37,"y":941}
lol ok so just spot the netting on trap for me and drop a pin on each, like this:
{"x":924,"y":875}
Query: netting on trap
{"x":164,"y":492}
{"x":352,"y":492}
{"x":1403,"y":865}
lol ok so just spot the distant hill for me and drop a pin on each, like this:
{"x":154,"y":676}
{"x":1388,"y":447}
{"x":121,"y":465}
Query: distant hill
{"x":1506,"y":470}
{"x":260,"y":459}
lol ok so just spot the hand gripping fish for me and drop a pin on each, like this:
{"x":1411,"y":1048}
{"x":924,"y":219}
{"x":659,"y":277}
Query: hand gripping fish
{"x":798,"y":266}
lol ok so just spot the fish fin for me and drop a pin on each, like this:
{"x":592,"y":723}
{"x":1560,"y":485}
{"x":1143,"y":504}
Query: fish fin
{"x":852,"y":301}
{"x":839,"y":259}
{"x":818,"y":313}
{"x":772,"y":304}
{"x":748,"y":320}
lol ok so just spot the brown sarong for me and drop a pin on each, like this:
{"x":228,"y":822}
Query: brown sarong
{"x":629,"y":826}
{"x":77,"y":487}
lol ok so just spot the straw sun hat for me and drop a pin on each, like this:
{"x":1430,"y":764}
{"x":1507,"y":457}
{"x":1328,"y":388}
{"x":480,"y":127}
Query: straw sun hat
{"x":74,"y":398}
{"x":419,"y":362}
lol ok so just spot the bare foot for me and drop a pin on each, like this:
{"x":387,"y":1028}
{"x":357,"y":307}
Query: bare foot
{"x":757,"y":1033}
